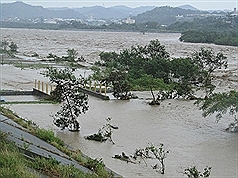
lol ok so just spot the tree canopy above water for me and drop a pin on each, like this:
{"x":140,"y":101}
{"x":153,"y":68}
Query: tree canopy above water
{"x":150,"y":66}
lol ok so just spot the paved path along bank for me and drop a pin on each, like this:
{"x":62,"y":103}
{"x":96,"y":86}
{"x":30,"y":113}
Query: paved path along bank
{"x":37,"y":147}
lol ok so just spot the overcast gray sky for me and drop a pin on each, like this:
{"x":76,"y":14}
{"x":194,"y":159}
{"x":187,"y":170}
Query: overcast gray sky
{"x":200,"y":4}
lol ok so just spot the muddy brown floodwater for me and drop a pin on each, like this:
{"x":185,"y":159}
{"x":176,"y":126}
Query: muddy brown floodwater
{"x":191,"y":139}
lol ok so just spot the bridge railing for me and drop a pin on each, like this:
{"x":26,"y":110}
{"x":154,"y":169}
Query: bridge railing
{"x":92,"y":86}
{"x":96,"y":87}
{"x":44,"y":86}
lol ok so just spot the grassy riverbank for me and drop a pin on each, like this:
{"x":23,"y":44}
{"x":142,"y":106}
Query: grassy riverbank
{"x":14,"y":164}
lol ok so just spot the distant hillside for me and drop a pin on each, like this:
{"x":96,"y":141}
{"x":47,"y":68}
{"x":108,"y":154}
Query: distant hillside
{"x":188,"y":7}
{"x":115,"y":12}
{"x":165,"y":15}
{"x":21,"y":10}
{"x":99,"y":12}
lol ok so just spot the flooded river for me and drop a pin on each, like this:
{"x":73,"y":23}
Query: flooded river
{"x":178,"y":124}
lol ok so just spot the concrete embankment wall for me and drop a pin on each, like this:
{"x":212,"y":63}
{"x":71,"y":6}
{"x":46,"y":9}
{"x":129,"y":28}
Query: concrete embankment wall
{"x":95,"y":94}
{"x":12,"y":93}
{"x":15,"y":93}
{"x":37,"y":92}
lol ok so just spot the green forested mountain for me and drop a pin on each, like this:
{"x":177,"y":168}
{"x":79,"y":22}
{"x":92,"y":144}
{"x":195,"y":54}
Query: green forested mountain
{"x":209,"y":24}
{"x":221,"y":31}
{"x":220,"y":38}
{"x":166,"y":15}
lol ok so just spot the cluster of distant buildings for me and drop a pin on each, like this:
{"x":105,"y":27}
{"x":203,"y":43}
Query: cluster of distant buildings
{"x":89,"y":21}
{"x":97,"y":22}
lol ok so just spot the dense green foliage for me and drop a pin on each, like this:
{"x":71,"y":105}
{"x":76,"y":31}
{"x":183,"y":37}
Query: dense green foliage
{"x":220,"y":38}
{"x":153,"y":152}
{"x":165,"y":15}
{"x":195,"y":173}
{"x":220,"y":103}
{"x":68,"y":91}
{"x":150,"y":67}
{"x":221,"y":31}
{"x":124,"y":69}
{"x":208,"y":61}
{"x":212,"y":23}
{"x":8,"y":48}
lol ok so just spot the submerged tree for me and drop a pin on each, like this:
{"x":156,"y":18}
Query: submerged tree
{"x":152,"y":152}
{"x":4,"y":45}
{"x":132,"y":64}
{"x":68,"y":91}
{"x":146,"y":65}
{"x":195,"y":173}
{"x":221,"y":103}
{"x":117,"y":78}
{"x":208,"y":62}
{"x":153,"y":84}
{"x":13,"y":47}
{"x":8,"y":48}
{"x":72,"y":53}
{"x":104,"y":133}
{"x":120,"y":84}
{"x":185,"y":76}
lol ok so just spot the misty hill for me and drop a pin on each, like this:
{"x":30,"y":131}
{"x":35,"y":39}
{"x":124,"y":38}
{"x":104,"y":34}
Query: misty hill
{"x":22,"y":10}
{"x":165,"y":15}
{"x":188,"y":7}
{"x":161,"y":15}
{"x":115,"y":12}
{"x":99,"y":12}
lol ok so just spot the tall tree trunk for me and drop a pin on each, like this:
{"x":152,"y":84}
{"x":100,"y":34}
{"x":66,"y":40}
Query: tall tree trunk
{"x":153,"y":102}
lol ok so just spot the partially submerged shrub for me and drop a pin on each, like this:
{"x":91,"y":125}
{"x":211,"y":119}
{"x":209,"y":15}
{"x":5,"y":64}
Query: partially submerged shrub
{"x":195,"y":173}
{"x":104,"y":133}
{"x":152,"y":152}
{"x":149,"y":152}
{"x":124,"y":157}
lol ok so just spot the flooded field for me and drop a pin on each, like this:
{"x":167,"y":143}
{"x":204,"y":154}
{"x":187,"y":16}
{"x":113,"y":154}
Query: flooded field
{"x":90,"y":43}
{"x":191,"y":139}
